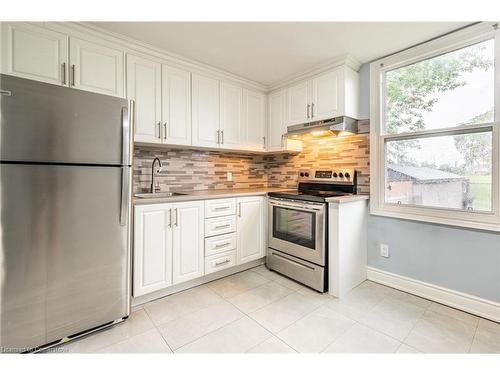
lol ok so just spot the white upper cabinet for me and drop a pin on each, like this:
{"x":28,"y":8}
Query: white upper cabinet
{"x":188,"y":240}
{"x":33,"y":52}
{"x":326,"y":101}
{"x":152,"y":248}
{"x":96,"y":68}
{"x":276,"y":120}
{"x":144,"y":87}
{"x":205,"y":111}
{"x":254,"y":121}
{"x":250,"y":229}
{"x":328,"y":95}
{"x":176,"y":106}
{"x":298,"y":103}
{"x":231,"y":127}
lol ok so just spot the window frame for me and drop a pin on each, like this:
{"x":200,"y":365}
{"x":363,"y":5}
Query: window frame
{"x":451,"y":42}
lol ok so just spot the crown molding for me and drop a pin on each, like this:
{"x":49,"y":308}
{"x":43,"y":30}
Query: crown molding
{"x":345,"y":60}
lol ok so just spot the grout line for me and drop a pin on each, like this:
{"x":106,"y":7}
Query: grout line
{"x":157,"y":330}
{"x":474,"y":336}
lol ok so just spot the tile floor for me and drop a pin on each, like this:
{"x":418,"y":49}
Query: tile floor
{"x":259,"y":311}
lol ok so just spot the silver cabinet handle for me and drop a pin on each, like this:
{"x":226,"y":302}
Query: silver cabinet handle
{"x":222,"y":136}
{"x":159,"y":129}
{"x":176,"y":217}
{"x":312,"y":110}
{"x":282,"y":140}
{"x":222,"y":226}
{"x":222,"y":245}
{"x":63,"y":73}
{"x":222,"y":262}
{"x":218,"y":137}
{"x":164,"y":130}
{"x":264,"y":142}
{"x":73,"y":75}
{"x":239,"y":209}
{"x":221,"y":208}
{"x":169,"y":218}
{"x":308,"y":106}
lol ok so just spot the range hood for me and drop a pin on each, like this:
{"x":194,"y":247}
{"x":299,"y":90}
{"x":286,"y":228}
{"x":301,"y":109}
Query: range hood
{"x":332,"y":126}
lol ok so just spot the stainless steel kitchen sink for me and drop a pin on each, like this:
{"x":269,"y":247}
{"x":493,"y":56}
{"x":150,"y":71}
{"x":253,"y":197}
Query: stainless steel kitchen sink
{"x":158,"y":195}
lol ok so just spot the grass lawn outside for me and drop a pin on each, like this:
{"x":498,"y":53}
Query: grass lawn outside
{"x":480,"y":191}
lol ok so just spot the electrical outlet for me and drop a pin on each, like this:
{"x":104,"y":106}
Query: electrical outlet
{"x":384,"y":250}
{"x":230,"y":176}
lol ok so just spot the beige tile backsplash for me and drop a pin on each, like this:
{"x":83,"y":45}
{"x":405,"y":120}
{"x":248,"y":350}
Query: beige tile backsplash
{"x":201,"y":170}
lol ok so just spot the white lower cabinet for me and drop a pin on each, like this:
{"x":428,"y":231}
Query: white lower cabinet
{"x":178,"y":242}
{"x":250,"y":228}
{"x":188,"y":238}
{"x":152,"y":248}
{"x":168,"y":245}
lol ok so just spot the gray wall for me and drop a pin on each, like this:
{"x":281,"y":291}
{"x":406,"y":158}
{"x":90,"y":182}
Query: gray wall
{"x":456,"y":258}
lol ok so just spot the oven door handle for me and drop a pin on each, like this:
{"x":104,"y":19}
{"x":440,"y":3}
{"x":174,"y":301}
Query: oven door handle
{"x":299,"y":207}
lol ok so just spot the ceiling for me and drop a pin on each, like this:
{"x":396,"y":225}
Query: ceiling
{"x":269,"y":52}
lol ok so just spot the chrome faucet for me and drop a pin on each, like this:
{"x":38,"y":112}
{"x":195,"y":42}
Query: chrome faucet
{"x":155,"y":187}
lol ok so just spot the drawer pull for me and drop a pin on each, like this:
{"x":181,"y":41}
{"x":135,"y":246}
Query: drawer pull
{"x":222,"y":245}
{"x":221,"y":208}
{"x":222,"y":226}
{"x":222,"y":262}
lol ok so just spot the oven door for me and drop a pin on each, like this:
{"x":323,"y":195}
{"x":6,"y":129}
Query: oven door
{"x":298,"y":228}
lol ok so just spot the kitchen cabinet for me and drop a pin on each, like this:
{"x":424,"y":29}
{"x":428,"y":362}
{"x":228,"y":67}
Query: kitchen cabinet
{"x":96,"y":68}
{"x":276,"y":125}
{"x":205,"y":111}
{"x":144,"y":87}
{"x":33,"y":52}
{"x":168,"y":245}
{"x":176,"y":106}
{"x":231,"y":129}
{"x":250,"y":228}
{"x":188,"y":241}
{"x":331,"y":94}
{"x":153,"y":245}
{"x":254,"y":121}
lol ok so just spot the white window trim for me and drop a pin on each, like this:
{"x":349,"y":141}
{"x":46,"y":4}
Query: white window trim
{"x":378,"y":206}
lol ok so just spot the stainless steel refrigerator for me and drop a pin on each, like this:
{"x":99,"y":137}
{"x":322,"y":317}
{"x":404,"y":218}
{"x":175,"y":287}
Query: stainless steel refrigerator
{"x":65,"y":202}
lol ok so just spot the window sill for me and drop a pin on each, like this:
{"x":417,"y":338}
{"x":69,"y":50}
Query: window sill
{"x":466,"y":224}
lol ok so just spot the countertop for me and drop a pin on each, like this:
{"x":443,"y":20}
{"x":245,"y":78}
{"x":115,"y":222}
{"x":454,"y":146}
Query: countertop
{"x":194,"y":195}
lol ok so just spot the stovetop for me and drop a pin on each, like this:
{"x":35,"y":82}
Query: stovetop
{"x":318,"y":185}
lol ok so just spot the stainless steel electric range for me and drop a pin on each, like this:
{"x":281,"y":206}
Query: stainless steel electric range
{"x":298,"y":225}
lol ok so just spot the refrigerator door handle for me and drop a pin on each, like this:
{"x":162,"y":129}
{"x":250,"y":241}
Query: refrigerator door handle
{"x":126,"y":134}
{"x":124,"y":205}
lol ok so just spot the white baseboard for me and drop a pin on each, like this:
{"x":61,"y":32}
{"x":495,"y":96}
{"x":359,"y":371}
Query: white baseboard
{"x":462,"y":301}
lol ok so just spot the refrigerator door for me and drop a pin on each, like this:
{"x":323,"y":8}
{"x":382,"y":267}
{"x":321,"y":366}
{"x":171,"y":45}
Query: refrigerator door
{"x":40,"y":122}
{"x":64,"y":253}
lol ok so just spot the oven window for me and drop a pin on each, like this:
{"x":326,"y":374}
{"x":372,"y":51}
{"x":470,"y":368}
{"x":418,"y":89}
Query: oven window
{"x":295,"y":226}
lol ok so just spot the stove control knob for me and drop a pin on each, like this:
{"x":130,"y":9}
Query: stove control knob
{"x":347,"y":175}
{"x":307,"y":174}
{"x":301,"y":174}
{"x":335,"y":174}
{"x":341,"y":175}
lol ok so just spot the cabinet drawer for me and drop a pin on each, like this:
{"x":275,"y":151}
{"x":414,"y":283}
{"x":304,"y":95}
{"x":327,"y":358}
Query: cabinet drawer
{"x":220,"y":225}
{"x":220,"y":207}
{"x":220,"y":244}
{"x":219,"y":262}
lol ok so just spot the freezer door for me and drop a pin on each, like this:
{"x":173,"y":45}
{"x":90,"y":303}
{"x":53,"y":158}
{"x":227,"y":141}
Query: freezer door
{"x":65,"y":253}
{"x":40,"y":122}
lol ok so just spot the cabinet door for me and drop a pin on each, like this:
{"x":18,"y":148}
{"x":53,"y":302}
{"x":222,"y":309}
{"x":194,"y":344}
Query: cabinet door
{"x":205,"y":111}
{"x":254,"y":121}
{"x":96,"y":68}
{"x":231,"y":100}
{"x":176,"y":106}
{"x":144,"y":87}
{"x":276,"y":122}
{"x":250,"y":229}
{"x":298,"y":100}
{"x":188,"y":234}
{"x":327,"y":96}
{"x":33,"y":52}
{"x":152,"y":248}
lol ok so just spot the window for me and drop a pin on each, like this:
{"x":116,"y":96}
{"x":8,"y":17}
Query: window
{"x":434,"y":137}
